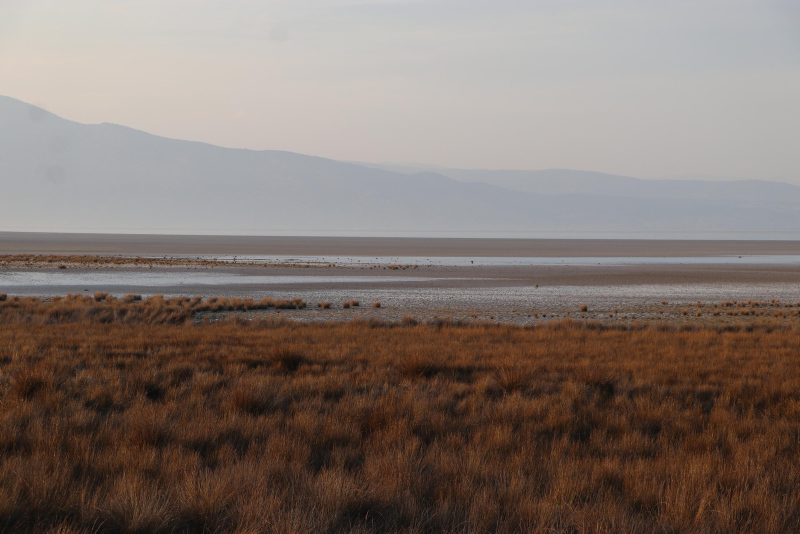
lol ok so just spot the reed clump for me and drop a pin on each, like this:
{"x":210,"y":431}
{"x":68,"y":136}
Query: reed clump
{"x":105,"y":308}
{"x":134,"y":422}
{"x":87,"y":261}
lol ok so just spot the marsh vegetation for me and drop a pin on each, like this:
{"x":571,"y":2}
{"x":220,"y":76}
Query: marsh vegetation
{"x":129,"y":416}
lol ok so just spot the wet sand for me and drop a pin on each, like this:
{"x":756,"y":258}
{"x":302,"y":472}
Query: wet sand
{"x":52,"y":243}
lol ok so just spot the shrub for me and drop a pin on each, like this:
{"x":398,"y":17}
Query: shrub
{"x":409,"y":321}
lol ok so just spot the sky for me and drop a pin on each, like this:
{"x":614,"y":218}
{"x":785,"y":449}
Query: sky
{"x":673,"y":88}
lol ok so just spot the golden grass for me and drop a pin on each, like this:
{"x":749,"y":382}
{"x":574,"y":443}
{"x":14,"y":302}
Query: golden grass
{"x":131,"y":309}
{"x":136,"y":422}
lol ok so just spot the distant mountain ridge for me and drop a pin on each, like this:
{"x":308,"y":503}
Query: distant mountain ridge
{"x":56,"y":174}
{"x":565,"y":181}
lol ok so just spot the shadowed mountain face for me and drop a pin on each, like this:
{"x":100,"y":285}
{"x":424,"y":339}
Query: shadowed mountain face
{"x":57,"y":174}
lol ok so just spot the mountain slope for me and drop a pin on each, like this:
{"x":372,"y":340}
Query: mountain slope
{"x":60,"y":175}
{"x":565,"y":181}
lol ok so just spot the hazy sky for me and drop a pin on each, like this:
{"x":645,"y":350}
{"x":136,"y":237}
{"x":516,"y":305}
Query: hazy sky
{"x":645,"y":88}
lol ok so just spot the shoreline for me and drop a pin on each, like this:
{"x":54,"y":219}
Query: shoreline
{"x":522,"y":295}
{"x":177,"y":245}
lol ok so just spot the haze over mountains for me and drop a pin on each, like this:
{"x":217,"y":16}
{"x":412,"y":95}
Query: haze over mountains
{"x":57,"y":174}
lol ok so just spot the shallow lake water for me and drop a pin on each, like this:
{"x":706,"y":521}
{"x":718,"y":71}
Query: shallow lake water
{"x":511,"y":261}
{"x":411,"y":292}
{"x":399,"y":297}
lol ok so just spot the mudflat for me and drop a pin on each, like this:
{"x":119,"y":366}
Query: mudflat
{"x":555,"y":277}
{"x":130,"y":244}
{"x":515,"y":294}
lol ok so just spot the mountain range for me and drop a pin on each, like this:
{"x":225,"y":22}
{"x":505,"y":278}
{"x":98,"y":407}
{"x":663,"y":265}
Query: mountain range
{"x":60,"y":175}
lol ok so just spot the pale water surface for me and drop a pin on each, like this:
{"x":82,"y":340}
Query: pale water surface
{"x":511,"y":261}
{"x":410,"y":291}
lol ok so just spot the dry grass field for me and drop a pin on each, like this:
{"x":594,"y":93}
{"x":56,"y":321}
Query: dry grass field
{"x":120,"y":415}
